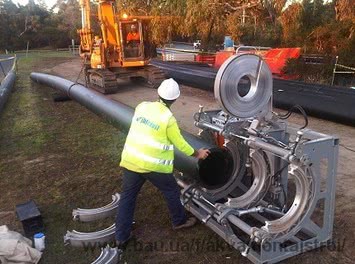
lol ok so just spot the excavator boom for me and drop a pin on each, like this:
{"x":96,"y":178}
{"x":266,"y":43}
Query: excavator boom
{"x":86,"y":34}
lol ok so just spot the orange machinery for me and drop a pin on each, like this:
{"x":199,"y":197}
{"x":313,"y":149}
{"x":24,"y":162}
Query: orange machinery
{"x":275,"y":58}
{"x":112,"y":55}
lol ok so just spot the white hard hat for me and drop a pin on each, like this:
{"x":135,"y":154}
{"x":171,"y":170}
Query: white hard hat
{"x":169,"y":90}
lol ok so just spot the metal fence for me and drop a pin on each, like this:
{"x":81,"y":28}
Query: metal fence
{"x":74,"y":49}
{"x":344,"y":70}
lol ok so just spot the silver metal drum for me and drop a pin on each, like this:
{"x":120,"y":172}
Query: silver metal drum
{"x":248,"y":70}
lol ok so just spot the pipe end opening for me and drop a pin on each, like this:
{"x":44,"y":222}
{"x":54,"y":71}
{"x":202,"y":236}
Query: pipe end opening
{"x":217,"y":169}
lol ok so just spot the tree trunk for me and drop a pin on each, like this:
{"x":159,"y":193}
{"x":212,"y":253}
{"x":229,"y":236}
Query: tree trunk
{"x":206,"y":43}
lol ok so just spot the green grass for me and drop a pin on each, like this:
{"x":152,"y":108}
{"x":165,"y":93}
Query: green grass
{"x":64,"y":157}
{"x":60,"y":155}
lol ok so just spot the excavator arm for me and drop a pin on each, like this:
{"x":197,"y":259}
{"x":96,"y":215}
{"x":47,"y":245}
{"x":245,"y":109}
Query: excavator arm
{"x":85,"y":33}
{"x":111,"y":56}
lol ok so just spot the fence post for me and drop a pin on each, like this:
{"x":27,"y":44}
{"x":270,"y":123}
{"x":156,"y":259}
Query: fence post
{"x":28,"y":45}
{"x":73,"y":46}
{"x":334,"y":69}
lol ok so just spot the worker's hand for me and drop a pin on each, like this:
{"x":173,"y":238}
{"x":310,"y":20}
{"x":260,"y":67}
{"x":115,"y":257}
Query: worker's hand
{"x":202,"y":153}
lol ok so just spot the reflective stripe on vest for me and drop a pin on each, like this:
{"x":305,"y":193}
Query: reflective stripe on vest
{"x":145,"y":140}
{"x":146,"y":158}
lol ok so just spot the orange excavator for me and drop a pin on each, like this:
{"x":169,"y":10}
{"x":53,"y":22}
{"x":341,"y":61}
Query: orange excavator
{"x":122,"y":51}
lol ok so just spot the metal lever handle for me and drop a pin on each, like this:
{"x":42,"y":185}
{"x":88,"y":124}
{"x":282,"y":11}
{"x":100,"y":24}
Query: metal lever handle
{"x":297,"y":141}
{"x":200,"y":111}
{"x":247,"y":248}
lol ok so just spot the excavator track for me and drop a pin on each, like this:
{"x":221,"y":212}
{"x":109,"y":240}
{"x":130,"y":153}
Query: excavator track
{"x":104,"y":81}
{"x":154,"y":76}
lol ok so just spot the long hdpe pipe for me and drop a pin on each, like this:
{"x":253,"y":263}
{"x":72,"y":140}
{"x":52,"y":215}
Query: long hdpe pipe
{"x":119,"y":115}
{"x":323,"y":101}
{"x":7,"y":83}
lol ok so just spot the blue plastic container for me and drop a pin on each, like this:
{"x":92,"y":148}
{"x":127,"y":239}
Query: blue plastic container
{"x":39,"y":235}
{"x":228,"y":42}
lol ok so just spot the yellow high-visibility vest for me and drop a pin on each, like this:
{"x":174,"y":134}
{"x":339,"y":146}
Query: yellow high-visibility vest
{"x":147,"y":145}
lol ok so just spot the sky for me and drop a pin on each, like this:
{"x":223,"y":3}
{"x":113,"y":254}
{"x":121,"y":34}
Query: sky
{"x":49,"y":3}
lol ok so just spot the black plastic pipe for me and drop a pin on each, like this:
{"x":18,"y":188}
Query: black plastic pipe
{"x":322,"y":101}
{"x":120,"y":115}
{"x":7,"y":84}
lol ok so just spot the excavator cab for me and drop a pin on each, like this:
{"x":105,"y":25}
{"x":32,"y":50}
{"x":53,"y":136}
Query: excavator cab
{"x":137,"y":49}
{"x":132,"y":40}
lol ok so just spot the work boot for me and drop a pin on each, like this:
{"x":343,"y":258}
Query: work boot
{"x":191,"y":221}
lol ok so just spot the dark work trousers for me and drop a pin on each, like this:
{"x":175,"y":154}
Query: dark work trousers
{"x":132,"y":183}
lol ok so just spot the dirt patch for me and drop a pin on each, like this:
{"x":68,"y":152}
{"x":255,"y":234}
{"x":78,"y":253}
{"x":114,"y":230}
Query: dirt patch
{"x":9,"y":218}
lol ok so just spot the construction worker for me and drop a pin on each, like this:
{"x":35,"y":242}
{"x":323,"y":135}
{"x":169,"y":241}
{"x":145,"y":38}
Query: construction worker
{"x":133,"y":36}
{"x":132,"y":41}
{"x":149,"y":155}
